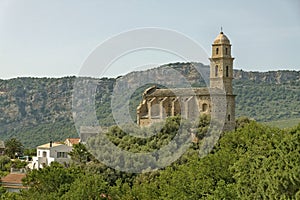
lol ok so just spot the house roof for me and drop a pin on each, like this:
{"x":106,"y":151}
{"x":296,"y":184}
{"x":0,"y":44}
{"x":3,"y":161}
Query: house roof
{"x":13,"y":178}
{"x":73,"y":140}
{"x":47,"y":146}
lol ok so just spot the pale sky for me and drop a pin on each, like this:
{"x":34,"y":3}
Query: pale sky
{"x":53,"y":38}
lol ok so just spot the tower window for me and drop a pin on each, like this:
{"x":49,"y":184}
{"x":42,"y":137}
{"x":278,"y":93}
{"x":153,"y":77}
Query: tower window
{"x":227,"y":71}
{"x":226,"y":51}
{"x":217,"y":51}
{"x":228,"y":118}
{"x":204,"y":107}
{"x":216,"y":70}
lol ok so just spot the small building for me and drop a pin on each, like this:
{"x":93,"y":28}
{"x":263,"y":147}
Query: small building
{"x":13,"y":182}
{"x":50,"y":152}
{"x":89,"y":131}
{"x":71,"y":141}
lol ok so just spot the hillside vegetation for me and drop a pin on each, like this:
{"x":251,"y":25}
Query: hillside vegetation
{"x":254,"y":161}
{"x":37,"y":110}
{"x":284,"y":123}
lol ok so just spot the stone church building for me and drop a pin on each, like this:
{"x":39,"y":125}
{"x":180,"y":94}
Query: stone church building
{"x":218,"y":100}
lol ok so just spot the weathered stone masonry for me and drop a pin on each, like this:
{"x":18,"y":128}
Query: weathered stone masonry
{"x":217,"y":100}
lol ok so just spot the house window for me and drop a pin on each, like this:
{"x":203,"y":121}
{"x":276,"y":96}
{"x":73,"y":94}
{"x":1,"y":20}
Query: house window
{"x":228,"y":118}
{"x":44,"y":154}
{"x":216,"y":70}
{"x":226,"y":51}
{"x":217,"y":51}
{"x":227,"y":71}
{"x":62,"y":154}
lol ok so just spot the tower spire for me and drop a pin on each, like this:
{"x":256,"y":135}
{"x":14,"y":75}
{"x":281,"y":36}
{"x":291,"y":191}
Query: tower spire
{"x":221,"y":30}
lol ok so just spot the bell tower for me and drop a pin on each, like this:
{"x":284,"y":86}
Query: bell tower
{"x":221,"y":67}
{"x":221,"y":75}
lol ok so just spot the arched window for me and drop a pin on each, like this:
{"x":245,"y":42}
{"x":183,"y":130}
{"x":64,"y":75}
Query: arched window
{"x":204,"y":107}
{"x":217,"y":51}
{"x":227,"y":71}
{"x":216,"y":70}
{"x":228,"y":118}
{"x":226,"y":51}
{"x":155,"y":111}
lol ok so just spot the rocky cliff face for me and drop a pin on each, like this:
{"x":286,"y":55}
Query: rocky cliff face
{"x":29,"y":101}
{"x":37,"y":110}
{"x":271,"y":77}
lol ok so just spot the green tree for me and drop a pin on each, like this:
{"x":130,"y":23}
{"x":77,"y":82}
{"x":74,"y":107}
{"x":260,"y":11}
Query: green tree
{"x":80,"y":154}
{"x":203,"y":125}
{"x":242,"y":121}
{"x":9,"y":195}
{"x":30,"y":152}
{"x":18,"y":164}
{"x":51,"y":179}
{"x":89,"y":187}
{"x":4,"y":160}
{"x":13,"y":147}
{"x":268,"y":162}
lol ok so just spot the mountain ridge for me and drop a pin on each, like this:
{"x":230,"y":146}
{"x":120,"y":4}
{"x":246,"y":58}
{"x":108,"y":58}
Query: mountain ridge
{"x":37,"y":110}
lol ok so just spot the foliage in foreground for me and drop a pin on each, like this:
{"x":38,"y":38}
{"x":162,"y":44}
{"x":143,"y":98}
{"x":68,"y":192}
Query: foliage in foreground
{"x":253,"y":162}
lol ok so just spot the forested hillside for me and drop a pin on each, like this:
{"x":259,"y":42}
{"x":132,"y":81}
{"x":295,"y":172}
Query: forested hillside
{"x":268,"y":96}
{"x":37,"y":110}
{"x":254,"y":161}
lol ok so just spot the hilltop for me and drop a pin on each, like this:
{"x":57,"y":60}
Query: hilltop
{"x":37,"y":110}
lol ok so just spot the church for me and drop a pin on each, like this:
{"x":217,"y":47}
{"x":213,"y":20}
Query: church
{"x":217,"y":100}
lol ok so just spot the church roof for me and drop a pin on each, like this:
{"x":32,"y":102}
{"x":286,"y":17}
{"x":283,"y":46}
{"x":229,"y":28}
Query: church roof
{"x":172,"y":92}
{"x":221,"y":39}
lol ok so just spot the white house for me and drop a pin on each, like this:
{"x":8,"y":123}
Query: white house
{"x":51,"y":152}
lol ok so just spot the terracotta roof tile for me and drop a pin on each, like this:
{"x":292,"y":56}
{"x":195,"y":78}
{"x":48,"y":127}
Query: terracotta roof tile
{"x":13,"y":178}
{"x":74,"y":140}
